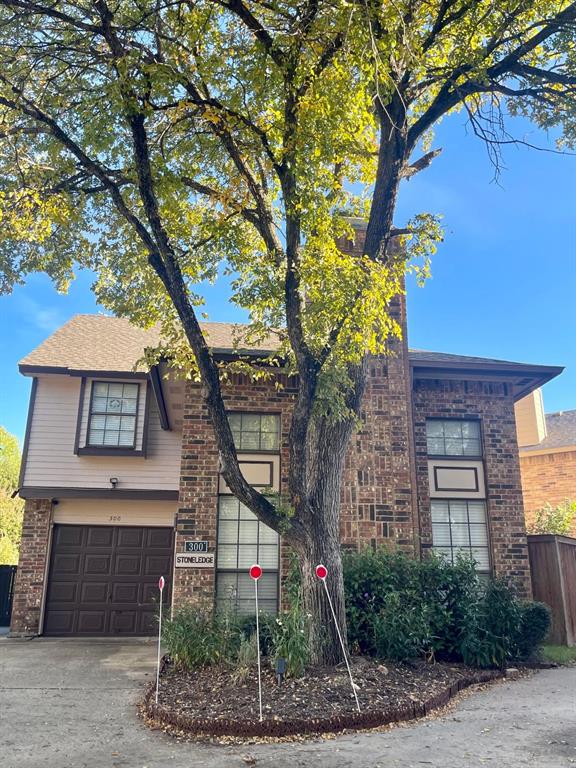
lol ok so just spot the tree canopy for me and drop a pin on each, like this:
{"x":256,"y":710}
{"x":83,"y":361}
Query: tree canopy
{"x":11,"y":510}
{"x":161,"y":141}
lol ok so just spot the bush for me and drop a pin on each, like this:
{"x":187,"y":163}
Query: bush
{"x":289,"y":638}
{"x":399,"y":608}
{"x":196,"y":638}
{"x":557,"y":520}
{"x":535,"y":619}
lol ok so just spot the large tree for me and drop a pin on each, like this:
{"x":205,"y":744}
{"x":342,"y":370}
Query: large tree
{"x":11,"y":509}
{"x":155,"y":141}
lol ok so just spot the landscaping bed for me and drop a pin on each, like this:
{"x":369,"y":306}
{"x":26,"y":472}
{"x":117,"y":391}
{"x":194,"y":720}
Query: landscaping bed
{"x":213,"y":701}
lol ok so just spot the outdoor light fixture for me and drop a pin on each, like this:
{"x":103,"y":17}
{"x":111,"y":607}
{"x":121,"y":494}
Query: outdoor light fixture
{"x":280,"y":670}
{"x":113,"y":482}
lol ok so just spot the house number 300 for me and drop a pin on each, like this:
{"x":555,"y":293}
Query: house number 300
{"x":115,"y":518}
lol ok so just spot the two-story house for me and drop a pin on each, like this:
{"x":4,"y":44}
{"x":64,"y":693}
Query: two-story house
{"x":120,"y":476}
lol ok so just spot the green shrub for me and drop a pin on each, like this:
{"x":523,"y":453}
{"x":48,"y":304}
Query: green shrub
{"x":401,"y":627}
{"x":399,"y":608}
{"x":535,"y":622}
{"x":196,"y":638}
{"x":289,"y":638}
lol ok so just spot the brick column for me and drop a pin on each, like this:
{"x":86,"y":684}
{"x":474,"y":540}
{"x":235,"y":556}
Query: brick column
{"x":32,"y":566}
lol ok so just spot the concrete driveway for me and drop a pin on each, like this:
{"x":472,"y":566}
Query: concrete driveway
{"x":70,"y":704}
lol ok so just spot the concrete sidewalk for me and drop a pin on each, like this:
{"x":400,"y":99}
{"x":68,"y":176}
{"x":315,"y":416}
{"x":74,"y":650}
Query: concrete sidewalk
{"x":70,"y":704}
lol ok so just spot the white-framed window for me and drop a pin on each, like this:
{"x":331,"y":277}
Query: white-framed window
{"x":242,"y":541}
{"x":459,"y":526}
{"x":112,"y":416}
{"x":453,"y":437}
{"x":255,"y":431}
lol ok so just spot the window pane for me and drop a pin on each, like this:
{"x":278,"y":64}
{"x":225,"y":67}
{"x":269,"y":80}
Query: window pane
{"x":234,"y":420}
{"x":98,"y":422}
{"x":435,"y":429}
{"x":115,"y":390}
{"x":477,"y":511}
{"x":113,"y":422}
{"x":267,"y":535}
{"x":482,"y":559}
{"x":471,"y":429}
{"x":458,"y":511}
{"x":99,"y":404}
{"x":247,"y":555}
{"x":441,"y":535}
{"x":460,"y":536}
{"x":269,"y":441}
{"x":114,"y":405}
{"x":228,"y":506}
{"x":270,"y":423}
{"x":246,"y":514}
{"x":111,"y":438}
{"x":452,"y":429}
{"x":471,"y":447}
{"x":454,"y":447}
{"x":96,"y":437}
{"x":250,"y":441}
{"x":248,"y":533}
{"x":100,"y":389}
{"x":478,"y":535}
{"x":127,"y":423}
{"x":228,"y":532}
{"x":250,"y":422}
{"x":227,"y":556}
{"x":128,"y":405}
{"x":126,"y":439}
{"x":436,"y":447}
{"x":440,"y":511}
{"x":130,"y":390}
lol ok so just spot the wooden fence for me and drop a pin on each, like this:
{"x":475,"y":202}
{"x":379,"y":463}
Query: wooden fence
{"x":553,"y":568}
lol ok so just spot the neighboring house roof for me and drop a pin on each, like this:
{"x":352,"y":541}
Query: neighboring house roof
{"x":561,"y":432}
{"x":102,"y":343}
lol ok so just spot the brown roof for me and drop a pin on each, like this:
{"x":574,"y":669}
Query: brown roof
{"x":561,"y":432}
{"x":104,"y":343}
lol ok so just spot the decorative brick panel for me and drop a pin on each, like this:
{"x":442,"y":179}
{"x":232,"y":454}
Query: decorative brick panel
{"x":548,"y":478}
{"x":34,"y":553}
{"x":493,"y":404}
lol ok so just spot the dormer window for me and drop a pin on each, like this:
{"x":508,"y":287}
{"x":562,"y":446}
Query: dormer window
{"x":112,"y":420}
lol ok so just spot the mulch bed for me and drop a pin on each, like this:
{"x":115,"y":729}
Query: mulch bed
{"x":214,"y":702}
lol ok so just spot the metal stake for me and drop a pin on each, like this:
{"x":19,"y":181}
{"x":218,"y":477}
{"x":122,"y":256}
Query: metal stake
{"x":341,"y":642}
{"x":258,"y":649}
{"x":161,"y":588}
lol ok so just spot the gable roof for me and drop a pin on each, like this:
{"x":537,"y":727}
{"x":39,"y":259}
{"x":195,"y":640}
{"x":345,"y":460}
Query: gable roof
{"x":561,"y":432}
{"x":100,"y":343}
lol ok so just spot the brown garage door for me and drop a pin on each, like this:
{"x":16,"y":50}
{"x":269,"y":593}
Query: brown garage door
{"x":103,"y":580}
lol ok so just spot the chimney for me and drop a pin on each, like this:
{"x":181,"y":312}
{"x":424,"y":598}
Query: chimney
{"x":355,"y":247}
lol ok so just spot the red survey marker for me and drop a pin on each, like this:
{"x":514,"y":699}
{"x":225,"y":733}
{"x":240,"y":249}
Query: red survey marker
{"x":321,"y":571}
{"x":255,"y":572}
{"x":161,"y":583}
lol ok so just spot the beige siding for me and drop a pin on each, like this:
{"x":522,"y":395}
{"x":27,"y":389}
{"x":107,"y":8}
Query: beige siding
{"x":51,"y":460}
{"x":530,"y":419}
{"x":109,"y":512}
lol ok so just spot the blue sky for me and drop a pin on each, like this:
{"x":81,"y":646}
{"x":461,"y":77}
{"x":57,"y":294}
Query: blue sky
{"x":503,"y":285}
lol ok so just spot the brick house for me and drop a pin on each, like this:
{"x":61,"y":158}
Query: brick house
{"x":547,"y":444}
{"x":120,"y":475}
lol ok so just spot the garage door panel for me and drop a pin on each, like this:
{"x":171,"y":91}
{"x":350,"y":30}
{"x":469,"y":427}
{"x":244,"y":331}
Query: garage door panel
{"x":92,"y":622}
{"x":96,"y":565}
{"x":95,"y":588}
{"x":124,"y":622}
{"x":125,"y":593}
{"x":130,"y":537}
{"x":159,"y":537}
{"x":69,"y":535}
{"x":67,"y":564}
{"x":128,"y":564}
{"x":148,"y":623}
{"x":63,"y":592}
{"x":94,"y":592}
{"x":100,"y":536}
{"x":154,"y":564}
{"x":59,"y":622}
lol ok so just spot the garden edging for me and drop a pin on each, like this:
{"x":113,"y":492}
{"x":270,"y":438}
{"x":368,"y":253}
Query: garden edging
{"x":164,"y":717}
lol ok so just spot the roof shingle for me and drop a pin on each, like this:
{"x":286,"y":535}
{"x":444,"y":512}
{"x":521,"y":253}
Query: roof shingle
{"x":561,"y":432}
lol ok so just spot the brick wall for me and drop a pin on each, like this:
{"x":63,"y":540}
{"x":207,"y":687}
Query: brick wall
{"x":493,"y":404}
{"x":548,"y":479}
{"x":34,"y":551}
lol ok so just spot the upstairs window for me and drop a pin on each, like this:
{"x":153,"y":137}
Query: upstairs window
{"x":255,"y":431}
{"x":112,"y":419}
{"x":451,"y":437}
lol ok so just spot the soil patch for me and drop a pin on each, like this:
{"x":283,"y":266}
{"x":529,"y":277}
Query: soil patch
{"x":213,"y":701}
